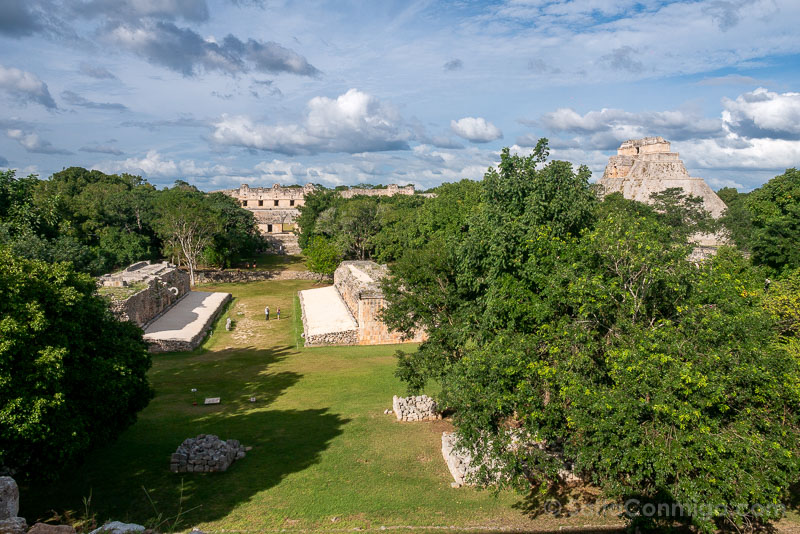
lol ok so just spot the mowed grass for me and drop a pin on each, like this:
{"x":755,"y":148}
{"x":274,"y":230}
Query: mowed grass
{"x":324,"y":454}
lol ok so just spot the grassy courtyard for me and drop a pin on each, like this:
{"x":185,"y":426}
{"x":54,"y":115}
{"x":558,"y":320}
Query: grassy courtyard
{"x":324,"y":455}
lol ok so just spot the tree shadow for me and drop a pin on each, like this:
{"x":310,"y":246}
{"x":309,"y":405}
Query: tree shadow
{"x":123,"y":477}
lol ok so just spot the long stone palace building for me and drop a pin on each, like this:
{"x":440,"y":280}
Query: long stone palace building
{"x":276,"y":208}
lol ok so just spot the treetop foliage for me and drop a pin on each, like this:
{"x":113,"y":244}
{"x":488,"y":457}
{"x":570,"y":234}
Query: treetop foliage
{"x":554,"y":317}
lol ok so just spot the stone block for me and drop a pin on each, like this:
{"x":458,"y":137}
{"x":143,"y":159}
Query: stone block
{"x":13,"y":525}
{"x":44,"y":528}
{"x":9,"y":498}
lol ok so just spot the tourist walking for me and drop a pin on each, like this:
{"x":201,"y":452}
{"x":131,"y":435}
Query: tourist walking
{"x":266,"y":312}
{"x":278,"y":314}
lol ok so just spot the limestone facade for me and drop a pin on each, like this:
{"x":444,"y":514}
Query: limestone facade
{"x":358,"y":282}
{"x":276,"y":208}
{"x":348,"y":313}
{"x":645,"y":166}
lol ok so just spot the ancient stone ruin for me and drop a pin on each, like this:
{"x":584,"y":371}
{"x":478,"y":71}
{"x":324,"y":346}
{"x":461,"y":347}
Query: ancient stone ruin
{"x":143,"y":291}
{"x":276,"y":208}
{"x":157,"y":297}
{"x":348,"y":312}
{"x":206,"y":454}
{"x":10,"y":523}
{"x":462,"y":467}
{"x":415,"y":408}
{"x":458,"y":462}
{"x":646,"y":166}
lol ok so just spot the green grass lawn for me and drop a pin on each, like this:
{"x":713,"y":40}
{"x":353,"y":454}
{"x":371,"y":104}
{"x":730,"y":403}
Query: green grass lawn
{"x":324,"y":455}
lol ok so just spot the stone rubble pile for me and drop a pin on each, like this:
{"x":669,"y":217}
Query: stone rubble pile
{"x":415,"y":408}
{"x":206,"y":453}
{"x":9,"y":508}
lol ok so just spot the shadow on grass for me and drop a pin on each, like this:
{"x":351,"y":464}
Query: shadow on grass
{"x":284,"y":442}
{"x":116,"y":475}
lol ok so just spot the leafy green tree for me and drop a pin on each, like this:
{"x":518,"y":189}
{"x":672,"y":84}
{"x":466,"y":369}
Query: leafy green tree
{"x":314,"y":204}
{"x":322,"y":256}
{"x":737,"y":219}
{"x":775,"y":207}
{"x":72,"y":377}
{"x":556,"y":318}
{"x":238,"y":235}
{"x":186,"y":225}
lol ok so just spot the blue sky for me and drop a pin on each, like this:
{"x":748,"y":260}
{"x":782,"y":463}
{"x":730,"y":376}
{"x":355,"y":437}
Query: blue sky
{"x":220,"y":93}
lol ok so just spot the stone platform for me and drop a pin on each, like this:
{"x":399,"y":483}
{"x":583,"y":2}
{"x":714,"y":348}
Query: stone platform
{"x":184,"y":326}
{"x":326,"y":318}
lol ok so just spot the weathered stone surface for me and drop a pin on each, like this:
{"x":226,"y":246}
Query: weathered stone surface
{"x":205,"y":453}
{"x":646,"y":166}
{"x":13,"y":525}
{"x":163,"y":284}
{"x":118,"y":527}
{"x":238,"y":276}
{"x":44,"y":528}
{"x":184,"y":326}
{"x":9,"y":498}
{"x":415,"y":408}
{"x":276,"y":208}
{"x":358,"y":284}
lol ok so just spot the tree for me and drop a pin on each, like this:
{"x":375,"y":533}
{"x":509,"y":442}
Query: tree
{"x":185,"y":222}
{"x":775,"y":207}
{"x":322,"y":256}
{"x":737,"y":219}
{"x":554,"y":318}
{"x":72,"y":377}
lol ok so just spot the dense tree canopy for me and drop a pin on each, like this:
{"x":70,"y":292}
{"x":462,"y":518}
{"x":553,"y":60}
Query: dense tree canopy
{"x":71,"y":375}
{"x":555,"y":317}
{"x":101,"y":222}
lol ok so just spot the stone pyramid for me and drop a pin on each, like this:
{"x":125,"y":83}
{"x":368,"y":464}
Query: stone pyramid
{"x":645,"y":166}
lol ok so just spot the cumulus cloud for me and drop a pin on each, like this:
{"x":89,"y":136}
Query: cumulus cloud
{"x":31,"y":142}
{"x":25,"y":86}
{"x":186,"y":51}
{"x":762,"y":113}
{"x":96,"y":71}
{"x":476,"y":129}
{"x":75,"y":99}
{"x":155,"y":165}
{"x":353,"y":122}
{"x":454,"y":64}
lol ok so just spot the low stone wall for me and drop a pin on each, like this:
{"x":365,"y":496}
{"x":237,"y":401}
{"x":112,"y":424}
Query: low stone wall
{"x":415,"y":408}
{"x":347,"y":337}
{"x":344,"y":337}
{"x":237,"y":276}
{"x":460,"y":462}
{"x":205,"y":454}
{"x":175,"y":345}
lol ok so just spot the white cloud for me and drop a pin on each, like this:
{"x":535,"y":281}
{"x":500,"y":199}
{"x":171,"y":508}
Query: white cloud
{"x":31,"y":142}
{"x":154,"y":165}
{"x":476,"y":129}
{"x":353,"y":122}
{"x":25,"y":86}
{"x":763,"y":113}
